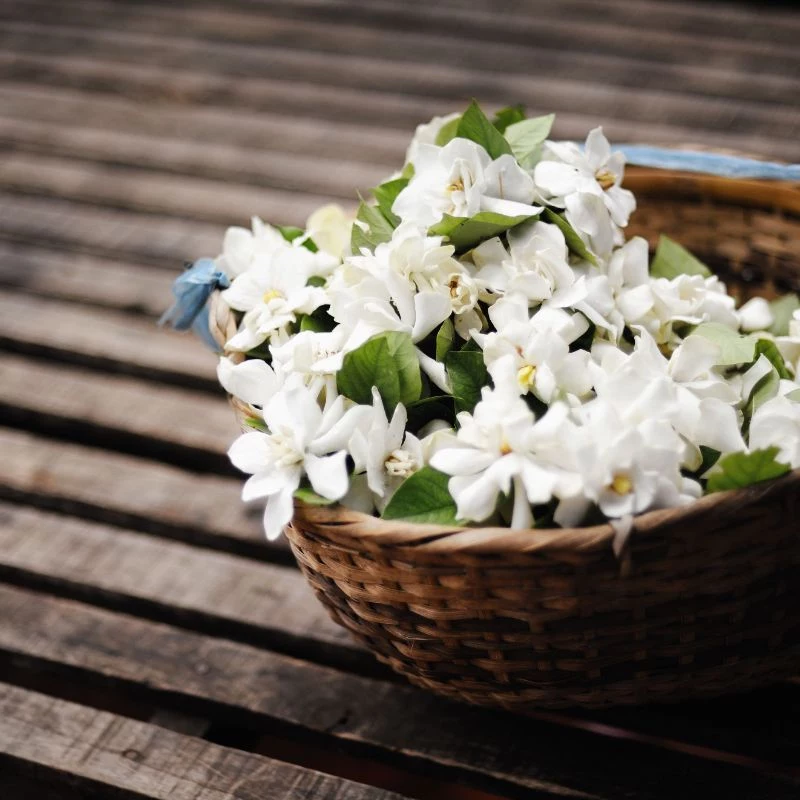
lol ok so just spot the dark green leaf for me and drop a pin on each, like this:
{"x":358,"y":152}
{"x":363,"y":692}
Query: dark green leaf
{"x":424,"y":411}
{"x":769,"y":349}
{"x":387,"y":361}
{"x":468,"y":375}
{"x":671,"y":260}
{"x":737,"y":470}
{"x":319,"y":322}
{"x":574,"y":242}
{"x":734,"y":347}
{"x":508,"y":116}
{"x":527,"y":137}
{"x":444,"y":339}
{"x":475,"y":125}
{"x":710,"y":457}
{"x":782,"y":310}
{"x":290,"y":233}
{"x":423,"y":498}
{"x":464,"y":233}
{"x":447,"y":132}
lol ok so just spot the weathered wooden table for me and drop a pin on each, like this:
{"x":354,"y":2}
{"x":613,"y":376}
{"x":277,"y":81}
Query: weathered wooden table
{"x":152,"y":644}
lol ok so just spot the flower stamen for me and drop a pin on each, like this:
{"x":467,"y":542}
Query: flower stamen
{"x":621,"y":484}
{"x":606,"y":179}
{"x":272,"y":294}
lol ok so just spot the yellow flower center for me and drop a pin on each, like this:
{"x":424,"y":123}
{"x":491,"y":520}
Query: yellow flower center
{"x":456,"y":186}
{"x":505,"y":448}
{"x":621,"y":484}
{"x":606,"y":179}
{"x":272,"y":294}
{"x":526,"y":376}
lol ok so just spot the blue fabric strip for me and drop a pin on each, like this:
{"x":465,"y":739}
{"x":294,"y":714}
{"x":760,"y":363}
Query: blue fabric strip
{"x":709,"y":163}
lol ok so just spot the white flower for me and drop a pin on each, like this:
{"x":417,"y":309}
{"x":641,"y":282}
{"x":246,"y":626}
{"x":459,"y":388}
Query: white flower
{"x":776,"y":423}
{"x":426,"y":134}
{"x":492,"y":455}
{"x":329,"y":227}
{"x":461,"y":179}
{"x":252,"y":381}
{"x":755,"y":315}
{"x":301,"y":439}
{"x":566,"y":171}
{"x":385,"y":450}
{"x":790,"y":345}
{"x":241,"y":247}
{"x":271,"y":293}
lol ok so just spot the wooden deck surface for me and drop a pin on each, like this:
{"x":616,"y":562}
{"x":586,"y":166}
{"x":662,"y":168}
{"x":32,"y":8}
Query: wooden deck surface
{"x":152,"y":643}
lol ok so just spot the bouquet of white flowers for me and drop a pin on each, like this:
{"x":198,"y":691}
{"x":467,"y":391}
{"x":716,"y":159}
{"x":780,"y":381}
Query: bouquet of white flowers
{"x":481,"y":344}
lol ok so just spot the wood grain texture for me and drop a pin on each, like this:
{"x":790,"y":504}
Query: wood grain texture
{"x":224,"y":680}
{"x":77,"y":749}
{"x":135,"y":492}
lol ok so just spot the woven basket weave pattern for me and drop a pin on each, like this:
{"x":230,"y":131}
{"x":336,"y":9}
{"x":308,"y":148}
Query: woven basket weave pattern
{"x":705,"y":600}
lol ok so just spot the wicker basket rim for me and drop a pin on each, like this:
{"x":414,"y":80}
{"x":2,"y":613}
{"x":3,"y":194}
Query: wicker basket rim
{"x":348,"y":525}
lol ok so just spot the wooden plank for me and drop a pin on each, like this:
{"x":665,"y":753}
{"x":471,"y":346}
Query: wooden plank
{"x":215,"y":593}
{"x":151,"y":239}
{"x":153,"y":193}
{"x":395,"y":64}
{"x":386,"y":108}
{"x":118,"y":413}
{"x":136,"y":493}
{"x":227,"y":681}
{"x":78,"y":749}
{"x":235,"y":165}
{"x":119,"y":284}
{"x":113,"y":340}
{"x":268,"y":131}
{"x":552,"y":32}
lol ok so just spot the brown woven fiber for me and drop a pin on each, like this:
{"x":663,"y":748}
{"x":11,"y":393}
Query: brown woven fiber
{"x":706,"y":598}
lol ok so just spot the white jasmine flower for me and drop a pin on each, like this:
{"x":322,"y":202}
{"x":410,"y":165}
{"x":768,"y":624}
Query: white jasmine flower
{"x":385,"y":450}
{"x":790,"y":345}
{"x":252,"y":381}
{"x":776,"y":423}
{"x":329,"y":227}
{"x":301,"y":439}
{"x":755,"y":315}
{"x":493,"y":456}
{"x":426,"y":134}
{"x":566,"y":170}
{"x":460,"y":179}
{"x":271,"y":293}
{"x":241,"y":248}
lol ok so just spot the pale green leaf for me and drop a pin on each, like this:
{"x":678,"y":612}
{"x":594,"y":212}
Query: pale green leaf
{"x":423,"y":498}
{"x":737,"y":470}
{"x":387,"y":361}
{"x":477,"y":127}
{"x":447,"y":132}
{"x":464,"y":233}
{"x":445,"y":337}
{"x":527,"y":137}
{"x":734,"y":347}
{"x":308,"y":495}
{"x":386,"y":194}
{"x":794,"y":396}
{"x":782,"y":310}
{"x":378,"y":229}
{"x":574,"y":242}
{"x":671,"y":260}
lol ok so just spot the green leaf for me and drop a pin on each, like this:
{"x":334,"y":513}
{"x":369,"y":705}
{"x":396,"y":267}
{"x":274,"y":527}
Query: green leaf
{"x":447,"y":132}
{"x":290,"y":233}
{"x":782,"y":310}
{"x":671,"y":260}
{"x":423,"y":498}
{"x":468,"y":375}
{"x":734,"y":348}
{"x":737,"y":470}
{"x":527,"y":137}
{"x":256,"y":423}
{"x":710,"y":457}
{"x":386,"y":194}
{"x":764,"y":390}
{"x":475,"y":125}
{"x":308,"y":495}
{"x":387,"y":361}
{"x":464,"y":233}
{"x":379,"y":229}
{"x":769,"y":349}
{"x":794,"y":396}
{"x":508,"y":116}
{"x":408,"y":172}
{"x":421,"y":412}
{"x":320,"y":321}
{"x":575,"y":244}
{"x":444,"y":339}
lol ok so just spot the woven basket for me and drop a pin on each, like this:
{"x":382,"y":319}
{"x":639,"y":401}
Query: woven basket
{"x":706,"y":599}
